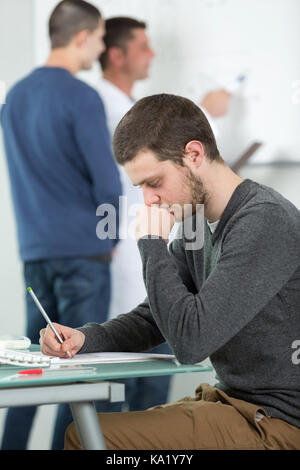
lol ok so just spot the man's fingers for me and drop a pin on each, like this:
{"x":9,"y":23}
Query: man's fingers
{"x":72,"y":341}
{"x":49,"y":340}
{"x":155,"y":220}
{"x":49,"y":352}
{"x":42,"y":333}
{"x":68,"y":348}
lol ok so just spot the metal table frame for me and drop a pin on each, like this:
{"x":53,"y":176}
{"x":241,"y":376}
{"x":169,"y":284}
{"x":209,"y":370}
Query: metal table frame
{"x":80,"y":396}
{"x":81,"y":392}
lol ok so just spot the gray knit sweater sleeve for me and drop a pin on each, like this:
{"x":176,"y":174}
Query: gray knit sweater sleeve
{"x":135,"y":331}
{"x":260,"y":253}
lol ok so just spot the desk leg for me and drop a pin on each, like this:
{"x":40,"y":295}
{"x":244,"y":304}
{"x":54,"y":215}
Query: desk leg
{"x":88,"y":427}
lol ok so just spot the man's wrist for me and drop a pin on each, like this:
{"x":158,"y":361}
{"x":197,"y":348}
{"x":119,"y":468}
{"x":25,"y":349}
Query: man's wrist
{"x":151,"y":243}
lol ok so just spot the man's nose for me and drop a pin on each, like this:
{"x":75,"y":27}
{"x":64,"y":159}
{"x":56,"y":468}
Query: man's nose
{"x":150,"y":197}
{"x":152,"y":53}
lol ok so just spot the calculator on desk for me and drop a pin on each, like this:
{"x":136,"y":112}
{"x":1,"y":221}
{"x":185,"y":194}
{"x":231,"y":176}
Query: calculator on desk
{"x":23,"y":358}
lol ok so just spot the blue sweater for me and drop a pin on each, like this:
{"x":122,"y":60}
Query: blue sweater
{"x":60,"y":164}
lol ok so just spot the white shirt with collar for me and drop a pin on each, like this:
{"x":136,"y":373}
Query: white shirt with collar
{"x":116,"y":103}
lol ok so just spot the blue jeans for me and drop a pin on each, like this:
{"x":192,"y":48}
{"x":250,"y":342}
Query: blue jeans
{"x":73,"y":292}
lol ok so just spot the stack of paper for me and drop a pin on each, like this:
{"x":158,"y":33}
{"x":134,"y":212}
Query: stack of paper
{"x":107,"y":357}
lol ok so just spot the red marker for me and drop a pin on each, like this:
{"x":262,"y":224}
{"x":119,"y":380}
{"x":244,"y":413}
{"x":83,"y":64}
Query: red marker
{"x":60,"y":371}
{"x":63,"y":370}
{"x":31,"y":371}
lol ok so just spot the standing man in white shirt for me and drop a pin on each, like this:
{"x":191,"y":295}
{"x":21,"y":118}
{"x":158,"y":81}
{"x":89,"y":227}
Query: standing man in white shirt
{"x":127,"y":59}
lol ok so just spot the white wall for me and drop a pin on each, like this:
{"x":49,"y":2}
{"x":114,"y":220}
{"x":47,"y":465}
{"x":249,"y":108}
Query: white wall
{"x":203,"y":44}
{"x":16,"y":60}
{"x":198,"y":48}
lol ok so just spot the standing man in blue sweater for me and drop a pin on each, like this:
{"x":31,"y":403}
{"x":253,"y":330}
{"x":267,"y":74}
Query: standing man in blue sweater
{"x":61,"y":169}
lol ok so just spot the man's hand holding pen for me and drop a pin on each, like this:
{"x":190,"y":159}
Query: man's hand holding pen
{"x":73,"y":341}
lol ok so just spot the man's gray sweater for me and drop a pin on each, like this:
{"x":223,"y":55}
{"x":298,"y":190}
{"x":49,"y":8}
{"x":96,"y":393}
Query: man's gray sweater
{"x":235,"y":300}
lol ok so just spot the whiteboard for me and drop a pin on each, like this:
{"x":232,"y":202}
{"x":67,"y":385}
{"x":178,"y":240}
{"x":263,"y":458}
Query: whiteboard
{"x":202,"y":45}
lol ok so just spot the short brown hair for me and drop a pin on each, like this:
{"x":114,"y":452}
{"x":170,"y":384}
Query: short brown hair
{"x":70,"y":17}
{"x":163,"y":124}
{"x":118,"y":31}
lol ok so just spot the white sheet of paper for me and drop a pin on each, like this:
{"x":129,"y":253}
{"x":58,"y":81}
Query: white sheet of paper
{"x":107,"y":357}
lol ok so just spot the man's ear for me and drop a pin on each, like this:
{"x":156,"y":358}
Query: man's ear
{"x":80,"y":38}
{"x":115,"y":56}
{"x":194,"y":154}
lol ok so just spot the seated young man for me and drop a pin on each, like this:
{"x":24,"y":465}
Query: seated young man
{"x":231,"y":294}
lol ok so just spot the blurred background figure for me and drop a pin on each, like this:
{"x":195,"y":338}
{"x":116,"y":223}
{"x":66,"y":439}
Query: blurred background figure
{"x":216,"y":103}
{"x":61,"y":168}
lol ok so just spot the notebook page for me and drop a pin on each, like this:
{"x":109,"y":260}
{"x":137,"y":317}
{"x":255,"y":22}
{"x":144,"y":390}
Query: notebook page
{"x":107,"y":357}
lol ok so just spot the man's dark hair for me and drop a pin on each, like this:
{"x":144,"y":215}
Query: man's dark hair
{"x":163,"y":124}
{"x":69,"y":18}
{"x":118,"y":33}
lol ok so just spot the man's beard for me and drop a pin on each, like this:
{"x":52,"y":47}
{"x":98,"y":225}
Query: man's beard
{"x":198,"y":192}
{"x":196,"y":197}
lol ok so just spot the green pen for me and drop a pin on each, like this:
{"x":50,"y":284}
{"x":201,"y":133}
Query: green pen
{"x":39,"y":306}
